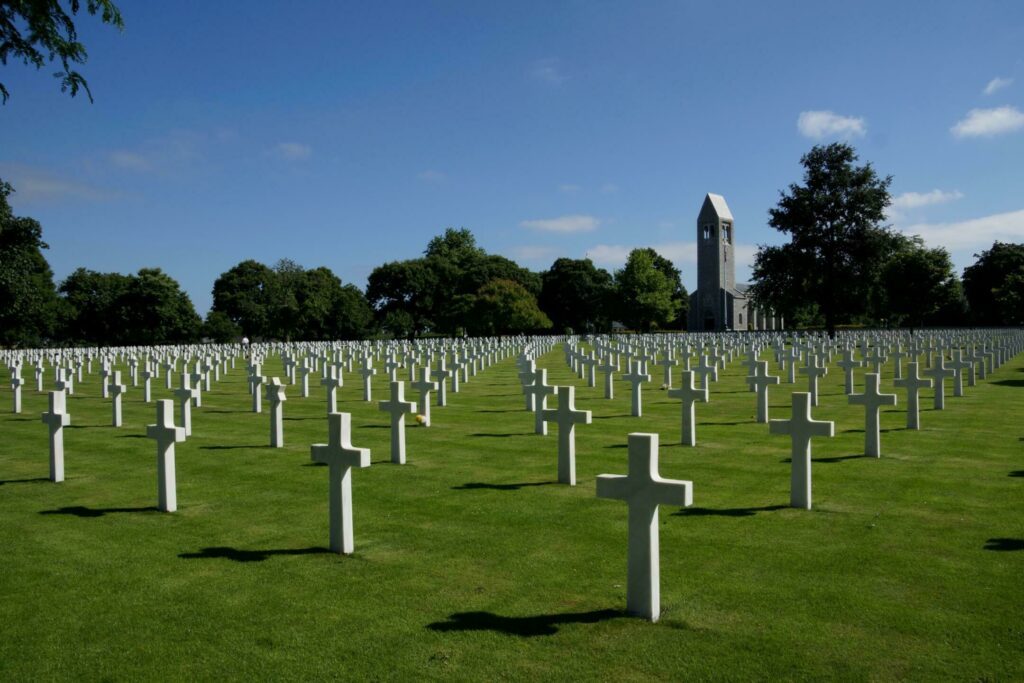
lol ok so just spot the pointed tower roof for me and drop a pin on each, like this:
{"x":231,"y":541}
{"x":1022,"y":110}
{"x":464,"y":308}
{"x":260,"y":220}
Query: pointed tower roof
{"x":718,"y":205}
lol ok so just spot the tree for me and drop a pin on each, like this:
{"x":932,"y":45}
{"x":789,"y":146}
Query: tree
{"x":219,"y":328}
{"x":837,"y":243}
{"x":644,"y":294}
{"x":92,"y":304}
{"x":243,"y":294}
{"x":994,"y":285}
{"x":680,"y":297}
{"x":402,"y":294}
{"x":919,"y":287}
{"x":28,"y":300}
{"x":155,"y":310}
{"x":576,"y":295}
{"x":49,"y":35}
{"x":505,"y":307}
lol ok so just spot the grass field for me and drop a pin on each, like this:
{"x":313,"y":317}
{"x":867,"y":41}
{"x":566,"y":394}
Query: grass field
{"x":471,"y":563}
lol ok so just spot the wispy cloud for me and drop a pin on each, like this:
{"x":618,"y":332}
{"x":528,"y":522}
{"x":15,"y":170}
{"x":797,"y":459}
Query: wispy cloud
{"x":997,"y":84}
{"x":976,"y":233}
{"x":915,"y":200}
{"x":548,"y":71}
{"x":575,"y":223}
{"x":39,"y":186}
{"x":989,"y":122}
{"x":609,"y":188}
{"x":133,"y":161}
{"x":293,"y":151}
{"x":432,"y":176}
{"x":569,"y":188}
{"x":822,"y":124}
{"x":534,"y":253}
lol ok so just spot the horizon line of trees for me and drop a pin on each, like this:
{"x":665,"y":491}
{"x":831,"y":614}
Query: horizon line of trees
{"x":842,"y":266}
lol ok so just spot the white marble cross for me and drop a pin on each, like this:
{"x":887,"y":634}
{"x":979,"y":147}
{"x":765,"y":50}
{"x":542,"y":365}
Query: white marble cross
{"x":57,"y":419}
{"x":801,"y":429}
{"x":147,"y":385}
{"x":872,"y":400}
{"x":332,"y":382}
{"x":340,"y":456}
{"x":367,"y":371}
{"x":116,"y":390}
{"x":540,"y":390}
{"x":256,"y":381}
{"x":939,"y":373}
{"x":848,"y":363}
{"x":958,"y":365}
{"x":398,"y":408}
{"x":276,"y":399}
{"x":609,"y":369}
{"x":814,"y":370}
{"x":913,"y":384}
{"x":185,"y":394}
{"x":706,"y":369}
{"x":526,"y":378}
{"x":636,"y":376}
{"x":441,"y":376}
{"x":166,"y":435}
{"x":761,"y":380}
{"x":567,"y":418}
{"x":644,"y":490}
{"x":424,"y":386}
{"x":689,"y":394}
{"x":667,"y":362}
{"x":16,"y":384}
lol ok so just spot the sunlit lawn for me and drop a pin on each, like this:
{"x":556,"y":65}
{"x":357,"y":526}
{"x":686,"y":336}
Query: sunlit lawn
{"x":471,"y":562}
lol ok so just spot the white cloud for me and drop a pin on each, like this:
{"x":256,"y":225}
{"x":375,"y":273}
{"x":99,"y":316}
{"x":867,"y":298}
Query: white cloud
{"x":997,"y":84}
{"x":989,"y":122}
{"x":685,"y":253}
{"x":820,"y":124}
{"x":976,"y":233}
{"x":534,"y":253}
{"x":432,"y":176}
{"x":130,"y":160}
{"x":575,"y":223}
{"x":547,"y":71}
{"x":293,"y":151}
{"x":37,"y":185}
{"x":914,"y":200}
{"x":569,"y":188}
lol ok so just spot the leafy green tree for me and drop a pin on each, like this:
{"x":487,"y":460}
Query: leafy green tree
{"x":402,"y":295}
{"x":645,"y":295}
{"x":576,"y":295}
{"x":155,"y":310}
{"x":994,"y":285}
{"x":28,"y":300}
{"x":506,"y":307}
{"x":219,"y":328}
{"x":244,"y":295}
{"x":351,"y":313}
{"x":919,"y":287}
{"x":680,"y":297}
{"x":92,"y":304}
{"x":49,"y":34}
{"x":837,"y":241}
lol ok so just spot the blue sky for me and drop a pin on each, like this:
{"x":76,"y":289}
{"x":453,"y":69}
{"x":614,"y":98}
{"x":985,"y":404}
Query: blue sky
{"x":347,"y":135}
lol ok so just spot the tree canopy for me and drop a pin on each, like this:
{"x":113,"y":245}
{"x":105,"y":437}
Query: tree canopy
{"x":994,"y":285}
{"x":39,"y":31}
{"x":646,"y":295}
{"x":838,"y":244}
{"x":28,"y":302}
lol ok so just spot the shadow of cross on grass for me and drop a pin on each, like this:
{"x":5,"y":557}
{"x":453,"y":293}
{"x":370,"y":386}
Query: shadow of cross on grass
{"x":22,"y":481}
{"x":527,"y":627}
{"x":1004,"y":544}
{"x":726,"y":512}
{"x":238,"y":555}
{"x":82,"y":511}
{"x":500,"y":487}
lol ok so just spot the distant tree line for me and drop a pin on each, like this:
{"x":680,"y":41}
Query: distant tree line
{"x":842,"y":266}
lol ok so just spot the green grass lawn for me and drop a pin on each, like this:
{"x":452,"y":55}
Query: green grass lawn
{"x":471,"y":563}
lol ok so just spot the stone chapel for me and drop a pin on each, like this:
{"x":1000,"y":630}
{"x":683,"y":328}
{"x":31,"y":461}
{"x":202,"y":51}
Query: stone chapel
{"x":719,"y":304}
